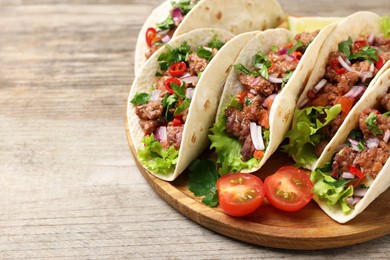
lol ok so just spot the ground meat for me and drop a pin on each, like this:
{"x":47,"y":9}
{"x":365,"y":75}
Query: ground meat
{"x":385,"y":101}
{"x":346,"y":81}
{"x":253,"y":110}
{"x":382,"y":42}
{"x":174,"y":135}
{"x":371,"y":161}
{"x":150,"y":110}
{"x":259,"y":84}
{"x":327,"y":95}
{"x":342,"y":161}
{"x":281,"y":64}
{"x":149,"y":126}
{"x":330,"y":73}
{"x":306,"y":37}
{"x":385,"y":56}
{"x":247,"y":149}
{"x":383,"y":123}
{"x":236,"y":124}
{"x":196,"y":64}
{"x":361,"y":65}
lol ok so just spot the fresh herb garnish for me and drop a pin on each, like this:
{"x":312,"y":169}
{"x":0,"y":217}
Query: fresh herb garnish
{"x":295,"y":47}
{"x":202,"y":181}
{"x":345,"y":47}
{"x":372,"y":124}
{"x":173,"y":55}
{"x":242,"y":68}
{"x":182,"y":107}
{"x":274,"y":48}
{"x":287,"y":77}
{"x":365,"y":53}
{"x":140,"y":98}
{"x":168,"y":23}
{"x":169,"y":102}
{"x":184,"y":5}
{"x":387,"y":114}
{"x":261,"y":64}
{"x":215,"y":43}
{"x":204,"y":53}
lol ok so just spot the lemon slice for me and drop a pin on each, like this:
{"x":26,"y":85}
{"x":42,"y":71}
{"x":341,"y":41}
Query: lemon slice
{"x":309,"y":24}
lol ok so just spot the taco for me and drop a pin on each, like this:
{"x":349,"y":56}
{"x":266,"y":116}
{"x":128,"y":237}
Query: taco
{"x":354,"y":169}
{"x":259,"y":97}
{"x":350,"y":62}
{"x":172,"y":104}
{"x":173,"y":18}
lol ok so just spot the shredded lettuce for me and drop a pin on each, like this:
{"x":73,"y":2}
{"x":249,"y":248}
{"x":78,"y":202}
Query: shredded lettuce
{"x":305,"y":133}
{"x":330,"y":190}
{"x":228,"y":149}
{"x":385,"y":23}
{"x":156,"y":158}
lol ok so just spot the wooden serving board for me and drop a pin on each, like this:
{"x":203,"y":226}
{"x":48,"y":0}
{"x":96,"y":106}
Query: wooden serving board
{"x":307,"y":229}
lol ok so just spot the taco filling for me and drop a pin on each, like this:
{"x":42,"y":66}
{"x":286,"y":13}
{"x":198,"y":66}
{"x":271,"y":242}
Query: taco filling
{"x":348,"y":73}
{"x":358,"y":161}
{"x":163,"y":113}
{"x":162,"y":33}
{"x":241,"y":134}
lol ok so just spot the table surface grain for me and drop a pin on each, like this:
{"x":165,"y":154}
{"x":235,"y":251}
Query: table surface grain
{"x":69,"y":187}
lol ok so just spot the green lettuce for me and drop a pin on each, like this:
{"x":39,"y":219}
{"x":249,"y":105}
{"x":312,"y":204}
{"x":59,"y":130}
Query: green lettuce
{"x":156,"y":158}
{"x":385,"y":24}
{"x":330,"y":190}
{"x":228,"y":149}
{"x":306,"y":135}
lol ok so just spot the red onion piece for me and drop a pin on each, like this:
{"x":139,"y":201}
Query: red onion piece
{"x":255,"y":80}
{"x":360,"y":192}
{"x":355,"y":91}
{"x":155,"y":95}
{"x":256,"y":136}
{"x":346,"y":66}
{"x":193,"y":80}
{"x":270,"y":97}
{"x":289,"y":58}
{"x":283,"y":51}
{"x":166,"y":39}
{"x":161,"y":134}
{"x":354,"y":144}
{"x":177,"y":15}
{"x":372,"y":142}
{"x":366,"y":75}
{"x":347,"y":175}
{"x":386,"y":136}
{"x":190,"y":92}
{"x":352,"y":200}
{"x":275,"y":80}
{"x":320,"y":85}
{"x":371,"y":39}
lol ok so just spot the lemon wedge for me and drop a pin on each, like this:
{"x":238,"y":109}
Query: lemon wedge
{"x":309,"y":23}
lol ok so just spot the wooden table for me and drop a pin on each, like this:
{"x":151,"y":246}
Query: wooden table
{"x":69,"y":186}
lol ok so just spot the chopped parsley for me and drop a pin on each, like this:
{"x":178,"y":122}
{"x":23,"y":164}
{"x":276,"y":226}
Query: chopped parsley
{"x":173,"y":55}
{"x":204,"y":53}
{"x":261,"y":65}
{"x":140,"y":98}
{"x":295,"y":47}
{"x":166,"y":24}
{"x":365,"y":53}
{"x":184,"y":5}
{"x":372,"y":124}
{"x":215,"y":43}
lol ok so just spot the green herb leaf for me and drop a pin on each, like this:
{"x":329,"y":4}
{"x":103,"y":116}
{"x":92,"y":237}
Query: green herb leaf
{"x":242,"y":68}
{"x":168,"y":102}
{"x":295,"y":47}
{"x":182,"y":107}
{"x":184,"y":5}
{"x":286,"y":78}
{"x":204,"y":53}
{"x":168,"y":23}
{"x":387,"y":114}
{"x":215,"y":43}
{"x":180,"y":91}
{"x":261,"y":61}
{"x":263,"y":71}
{"x":235,"y":103}
{"x":346,"y":46}
{"x":173,"y":55}
{"x":372,"y":124}
{"x":274,"y":48}
{"x":365,"y":53}
{"x":202,"y":181}
{"x":140,"y":98}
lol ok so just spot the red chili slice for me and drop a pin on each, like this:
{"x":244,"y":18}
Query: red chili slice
{"x":149,"y":35}
{"x":168,"y":82}
{"x":357,"y":45}
{"x":355,"y":171}
{"x":336,"y":67}
{"x":177,"y":69}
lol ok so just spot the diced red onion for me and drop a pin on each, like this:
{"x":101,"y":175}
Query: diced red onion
{"x":255,"y":80}
{"x":347,"y":175}
{"x":320,"y":85}
{"x":372,"y":142}
{"x":275,"y":80}
{"x":352,"y":200}
{"x":371,"y":39}
{"x":346,"y":66}
{"x":177,"y":15}
{"x":256,"y":136}
{"x":161,"y":134}
{"x":190,"y":92}
{"x":283,"y":51}
{"x":166,"y":39}
{"x":355,"y":91}
{"x":155,"y":95}
{"x":366,"y":75}
{"x":386,"y":136}
{"x":354,"y":144}
{"x":253,"y":91}
{"x":360,"y":192}
{"x":289,"y":58}
{"x":190,"y":80}
{"x":270,"y":97}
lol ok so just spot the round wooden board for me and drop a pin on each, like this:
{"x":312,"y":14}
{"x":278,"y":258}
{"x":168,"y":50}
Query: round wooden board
{"x":307,"y":229}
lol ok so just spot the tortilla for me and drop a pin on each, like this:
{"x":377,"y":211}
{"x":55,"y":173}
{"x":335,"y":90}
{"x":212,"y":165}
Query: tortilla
{"x":382,"y":181}
{"x":205,"y":100}
{"x":235,"y":16}
{"x":284,"y":104}
{"x":353,"y":27}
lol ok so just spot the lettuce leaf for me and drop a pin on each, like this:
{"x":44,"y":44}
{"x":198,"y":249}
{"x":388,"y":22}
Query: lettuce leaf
{"x":156,"y":158}
{"x":330,"y":190}
{"x":305,"y":133}
{"x":385,"y":24}
{"x":228,"y":149}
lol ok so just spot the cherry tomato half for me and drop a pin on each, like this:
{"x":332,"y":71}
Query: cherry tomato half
{"x":177,"y":69}
{"x":149,"y":35}
{"x":346,"y":104}
{"x":289,"y":189}
{"x":240,"y":194}
{"x":168,"y":82}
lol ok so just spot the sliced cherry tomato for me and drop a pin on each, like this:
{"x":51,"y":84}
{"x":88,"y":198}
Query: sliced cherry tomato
{"x":240,"y":194}
{"x":289,"y":189}
{"x":355,"y":171}
{"x":336,"y":67}
{"x":357,"y":45}
{"x":177,"y":69}
{"x":379,"y":64}
{"x":149,"y":35}
{"x":346,"y":104}
{"x":258,"y":154}
{"x":168,"y":82}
